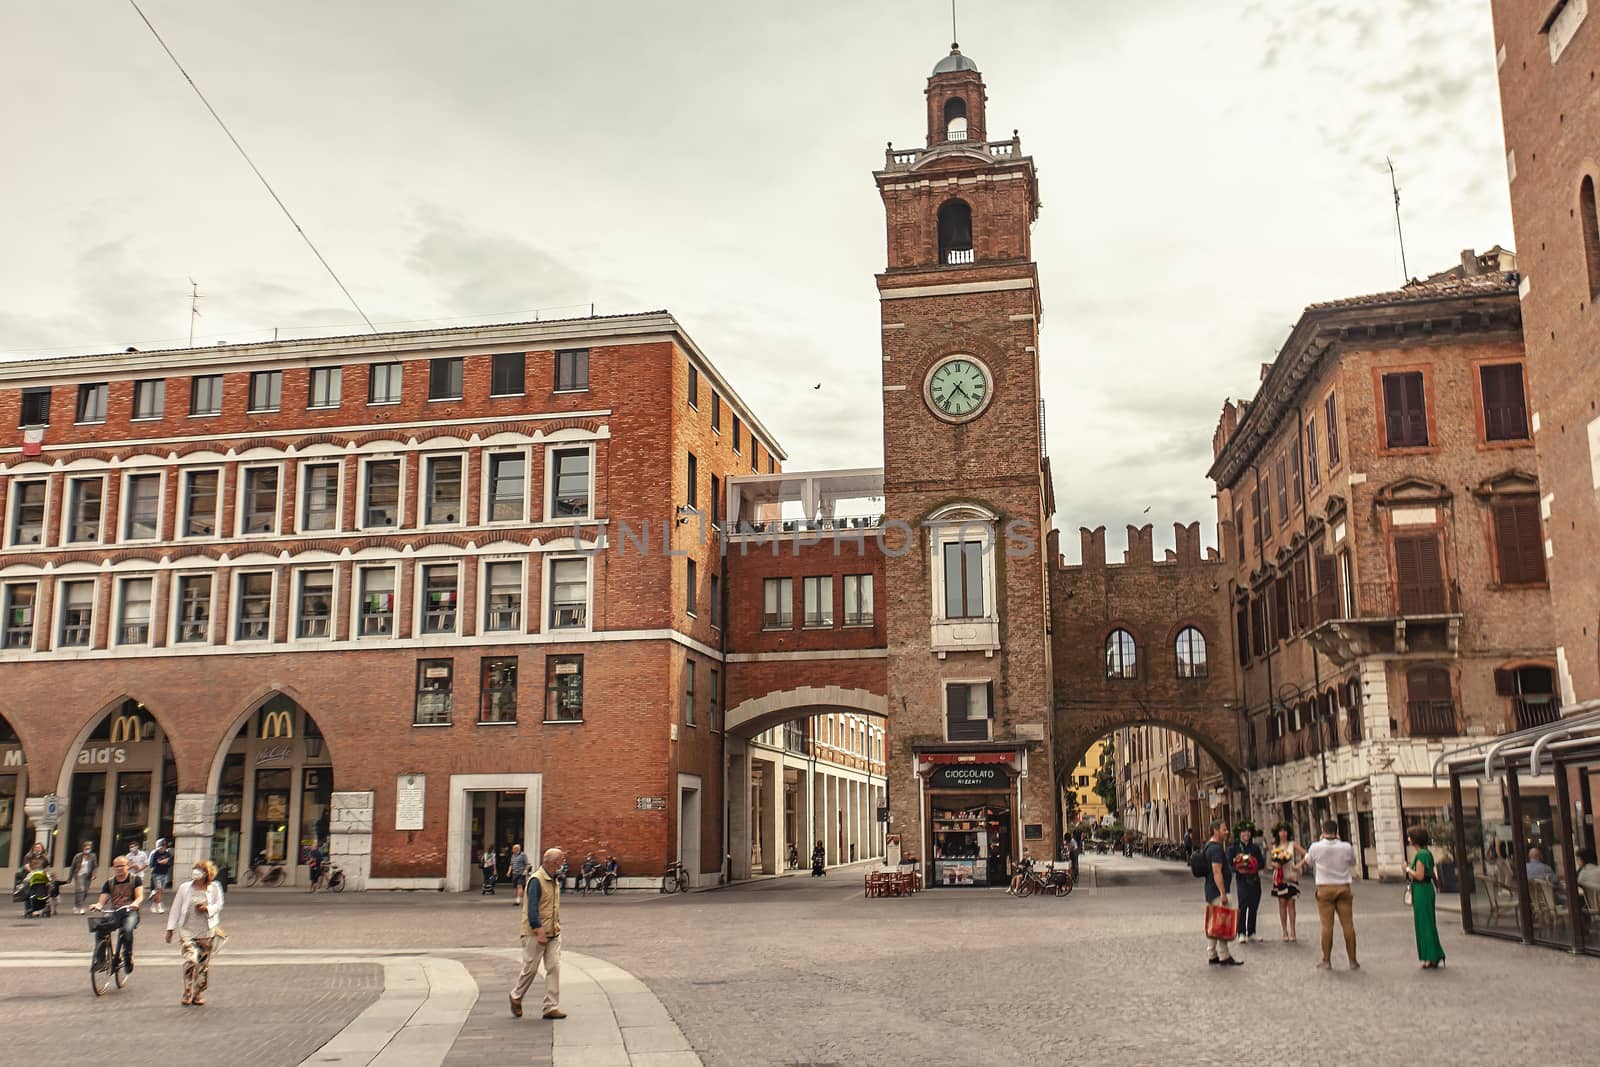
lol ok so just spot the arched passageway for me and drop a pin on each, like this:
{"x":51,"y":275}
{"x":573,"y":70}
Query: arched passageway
{"x":121,"y":784}
{"x":13,"y":788}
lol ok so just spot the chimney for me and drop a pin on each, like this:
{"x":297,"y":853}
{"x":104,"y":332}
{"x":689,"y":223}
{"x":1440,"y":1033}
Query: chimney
{"x":1469,"y":262}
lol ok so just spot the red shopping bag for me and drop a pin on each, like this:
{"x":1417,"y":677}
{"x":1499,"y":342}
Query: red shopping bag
{"x":1222,"y":923}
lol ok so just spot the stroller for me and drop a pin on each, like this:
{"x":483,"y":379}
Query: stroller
{"x":39,"y":893}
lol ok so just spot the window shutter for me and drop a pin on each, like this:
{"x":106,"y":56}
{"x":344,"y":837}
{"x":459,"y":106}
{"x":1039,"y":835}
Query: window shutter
{"x":1394,"y":426}
{"x":1418,"y":575}
{"x":1505,"y":682}
{"x":1428,"y":683}
{"x":1518,"y":545}
{"x":989,"y":703}
{"x":1327,"y":589}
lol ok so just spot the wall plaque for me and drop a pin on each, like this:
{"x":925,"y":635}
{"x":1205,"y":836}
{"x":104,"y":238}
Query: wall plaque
{"x":408,"y":798}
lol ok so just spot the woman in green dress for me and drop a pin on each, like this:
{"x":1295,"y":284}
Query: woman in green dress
{"x":1423,"y":899}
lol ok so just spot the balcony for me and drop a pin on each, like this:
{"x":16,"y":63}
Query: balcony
{"x":1383,"y":618}
{"x":903,"y":159}
{"x":1531,"y":711}
{"x":818,"y":503}
{"x":1432,"y":718}
{"x":1183,"y":762}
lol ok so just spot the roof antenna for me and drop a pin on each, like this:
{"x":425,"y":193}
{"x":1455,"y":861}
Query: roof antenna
{"x":1399,"y":233}
{"x":955,"y":38}
{"x":194,"y":308}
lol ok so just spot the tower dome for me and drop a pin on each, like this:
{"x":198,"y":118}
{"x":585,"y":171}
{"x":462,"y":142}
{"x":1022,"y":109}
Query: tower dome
{"x":954,"y":62}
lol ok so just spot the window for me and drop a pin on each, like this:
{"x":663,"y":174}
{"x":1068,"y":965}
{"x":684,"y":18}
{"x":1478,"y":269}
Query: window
{"x":35,"y":408}
{"x":17,"y":613}
{"x":327,"y":387}
{"x":442,"y":504}
{"x":569,"y":594}
{"x":261,"y":500}
{"x":142,"y":508}
{"x":772,"y":465}
{"x":1283,"y":490}
{"x":1191,"y":653}
{"x":314,"y":616}
{"x":1241,"y":632}
{"x":955,"y":233}
{"x":381,"y":507}
{"x":1313,"y":475}
{"x":497,"y":690}
{"x":716,"y":412}
{"x":694,"y":387}
{"x":439,"y":598}
{"x":692,"y":498}
{"x":714,"y":703}
{"x":133,"y":618}
{"x":255,"y":607}
{"x":755,"y":447}
{"x":377,"y":602}
{"x":433,"y":692}
{"x":77,"y":614}
{"x":1258,"y":624}
{"x":1505,"y":405}
{"x":572,"y":370}
{"x":319,"y":496}
{"x":266,"y":390}
{"x":963,"y":579}
{"x":1297,"y":490}
{"x":444,"y":378}
{"x":777,"y":599}
{"x":737,"y":436}
{"x":508,"y":485}
{"x":506,"y":379}
{"x":199,"y":517}
{"x":92,"y":402}
{"x":383,"y":383}
{"x":149,"y":398}
{"x":858,"y":600}
{"x":569,"y":483}
{"x":1122,"y":656}
{"x":1405,"y":410}
{"x":818,"y":593}
{"x":1430,"y":702}
{"x":1533,"y":695}
{"x":1327,"y":588}
{"x":716,"y":500}
{"x":563,"y":689}
{"x":1518,"y":541}
{"x":716,"y":600}
{"x":1255,"y":516}
{"x":502,"y":603}
{"x":688,"y":691}
{"x":1562,"y":23}
{"x":967,"y":710}
{"x":1280,"y":608}
{"x":1302,"y":592}
{"x":692,"y":587}
{"x":84,"y":501}
{"x":1419,"y":575}
{"x":1589,"y":209}
{"x":205,"y":394}
{"x":1238,"y":532}
{"x":1330,"y":411}
{"x":194,"y":609}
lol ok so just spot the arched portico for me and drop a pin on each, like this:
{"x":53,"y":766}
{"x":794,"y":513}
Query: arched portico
{"x":13,"y":790}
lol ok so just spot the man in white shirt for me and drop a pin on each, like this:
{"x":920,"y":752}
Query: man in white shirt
{"x":1333,"y":861}
{"x":138,"y":860}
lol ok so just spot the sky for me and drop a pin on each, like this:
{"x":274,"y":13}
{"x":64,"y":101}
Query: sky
{"x":1206,"y":171}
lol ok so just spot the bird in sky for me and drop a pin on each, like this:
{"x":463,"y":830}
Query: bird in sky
{"x":817,"y":386}
{"x":1147,"y":509}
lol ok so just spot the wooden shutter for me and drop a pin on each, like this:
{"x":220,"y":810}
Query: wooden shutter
{"x":1330,"y":412}
{"x":1302,"y":593}
{"x":1405,"y":410}
{"x":1418,"y":575}
{"x":1327,"y":589}
{"x":1242,"y":626}
{"x":1505,"y":682}
{"x":1519,"y":548}
{"x":1505,"y":408}
{"x":1283,"y":490}
{"x":1428,"y":683}
{"x":1280,"y":609}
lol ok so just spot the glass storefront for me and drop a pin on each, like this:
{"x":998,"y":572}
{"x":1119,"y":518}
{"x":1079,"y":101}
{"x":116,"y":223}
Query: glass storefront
{"x":971,"y":839}
{"x":275,"y":793}
{"x":124,"y":785}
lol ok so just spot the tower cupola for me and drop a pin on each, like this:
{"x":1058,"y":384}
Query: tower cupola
{"x":956,"y":98}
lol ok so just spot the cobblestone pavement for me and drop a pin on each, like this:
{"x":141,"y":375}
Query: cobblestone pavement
{"x":799,"y":971}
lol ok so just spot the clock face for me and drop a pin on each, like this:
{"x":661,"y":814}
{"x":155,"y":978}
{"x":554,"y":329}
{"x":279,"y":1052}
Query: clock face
{"x":959,"y":388}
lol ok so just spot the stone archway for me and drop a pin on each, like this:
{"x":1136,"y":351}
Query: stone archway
{"x":13,"y":790}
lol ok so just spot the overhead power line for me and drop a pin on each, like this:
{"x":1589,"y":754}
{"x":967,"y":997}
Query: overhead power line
{"x":253,"y":168}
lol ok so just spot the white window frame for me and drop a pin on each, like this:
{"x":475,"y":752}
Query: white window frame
{"x":5,"y":610}
{"x":105,"y":403}
{"x":125,"y":502}
{"x":66,"y":510}
{"x":236,"y":605}
{"x":419,"y":596}
{"x":425,"y":470}
{"x":297,"y":593}
{"x":363,"y":480}
{"x":547,"y":502}
{"x":399,"y":394}
{"x":302,"y":484}
{"x":311,"y":387}
{"x":780,"y":628}
{"x":175,"y":617}
{"x":222,"y":383}
{"x":14,"y":505}
{"x":119,"y":600}
{"x":547,"y":597}
{"x":869,"y":608}
{"x":484,"y":593}
{"x":241,"y":508}
{"x":357,"y":590}
{"x":183,"y":515}
{"x":60,"y":612}
{"x":489,"y":455}
{"x":827,"y":609}
{"x":980,"y":633}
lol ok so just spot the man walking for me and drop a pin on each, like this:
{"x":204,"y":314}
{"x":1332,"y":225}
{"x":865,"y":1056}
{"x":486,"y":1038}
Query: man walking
{"x":83,"y":866}
{"x":1333,"y":860}
{"x":541,"y":936}
{"x":517,"y":871}
{"x":1218,"y":882}
{"x":138,"y":860}
{"x":160,"y":870}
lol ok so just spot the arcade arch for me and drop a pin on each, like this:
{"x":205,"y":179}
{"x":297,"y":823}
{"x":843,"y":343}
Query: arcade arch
{"x":13,"y":788}
{"x":120,"y":782}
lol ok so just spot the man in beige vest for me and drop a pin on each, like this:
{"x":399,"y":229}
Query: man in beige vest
{"x":541,"y":936}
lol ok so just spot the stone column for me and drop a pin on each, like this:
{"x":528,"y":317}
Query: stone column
{"x":1387,"y":833}
{"x":738,"y":810}
{"x":194,"y":821}
{"x":44,"y":827}
{"x":350,"y":836}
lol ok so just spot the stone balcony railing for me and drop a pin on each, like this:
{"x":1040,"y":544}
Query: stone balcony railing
{"x":898,"y":159}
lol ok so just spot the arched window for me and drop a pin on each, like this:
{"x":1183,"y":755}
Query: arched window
{"x":955,"y":119}
{"x":1191,"y":653}
{"x":1122,"y":656}
{"x":955,"y":232}
{"x":1589,"y":210}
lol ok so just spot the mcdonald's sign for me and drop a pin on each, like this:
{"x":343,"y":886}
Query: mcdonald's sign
{"x":276,"y":724}
{"x":125,"y":729}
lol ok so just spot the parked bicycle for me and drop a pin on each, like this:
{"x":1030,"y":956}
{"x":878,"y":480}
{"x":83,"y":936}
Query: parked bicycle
{"x":329,"y":878}
{"x":1047,"y":881}
{"x":263,"y":873}
{"x":109,"y":963}
{"x":675,"y":879}
{"x":601,"y":881}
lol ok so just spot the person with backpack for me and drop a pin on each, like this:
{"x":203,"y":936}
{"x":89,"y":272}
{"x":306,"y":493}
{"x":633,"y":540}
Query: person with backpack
{"x":1211,"y":863}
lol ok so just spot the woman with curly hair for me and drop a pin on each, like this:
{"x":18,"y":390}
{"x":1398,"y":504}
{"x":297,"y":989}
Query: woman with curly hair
{"x":195,"y":912}
{"x":1287,"y":857}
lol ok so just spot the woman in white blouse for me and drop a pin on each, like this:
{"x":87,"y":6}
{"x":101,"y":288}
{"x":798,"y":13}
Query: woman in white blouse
{"x":194,"y":916}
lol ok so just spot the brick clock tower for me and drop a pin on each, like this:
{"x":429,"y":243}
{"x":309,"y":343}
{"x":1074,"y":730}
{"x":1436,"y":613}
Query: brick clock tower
{"x":969,"y":676}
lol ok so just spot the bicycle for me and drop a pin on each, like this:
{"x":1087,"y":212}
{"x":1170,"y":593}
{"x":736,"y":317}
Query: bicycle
{"x":261,"y":873}
{"x":601,"y":881}
{"x":1050,"y":880}
{"x":109,"y":963}
{"x":675,"y":879}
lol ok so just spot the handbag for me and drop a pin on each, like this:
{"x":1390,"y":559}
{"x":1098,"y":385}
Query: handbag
{"x":1407,"y":898}
{"x":1222,"y":922}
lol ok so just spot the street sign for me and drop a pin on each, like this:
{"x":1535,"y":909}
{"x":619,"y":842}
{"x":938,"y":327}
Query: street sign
{"x":883,"y":813}
{"x":650,"y":803}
